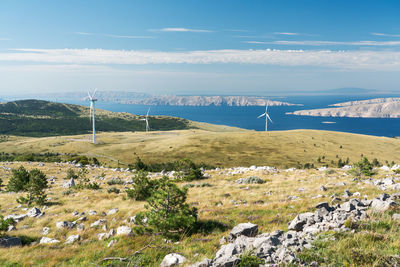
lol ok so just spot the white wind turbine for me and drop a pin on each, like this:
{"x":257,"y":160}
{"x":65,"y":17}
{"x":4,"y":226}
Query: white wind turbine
{"x":266,"y":116}
{"x":92,"y":113}
{"x":147,"y":120}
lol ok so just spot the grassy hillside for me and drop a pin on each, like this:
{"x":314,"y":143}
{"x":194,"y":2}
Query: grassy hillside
{"x":245,"y":148}
{"x":42,"y":118}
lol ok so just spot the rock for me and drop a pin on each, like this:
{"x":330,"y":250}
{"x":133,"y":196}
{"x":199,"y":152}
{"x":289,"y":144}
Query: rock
{"x":98,"y":223}
{"x":250,"y":180}
{"x":347,"y":194}
{"x":203,"y":263}
{"x":65,"y":225}
{"x":45,"y":230}
{"x":246,"y":229}
{"x":16,"y":217}
{"x":92,"y":212}
{"x":124,"y":230}
{"x":111,"y":243}
{"x":47,"y":240}
{"x":382,"y":205}
{"x":112,"y":211}
{"x":347,"y":206}
{"x":80,"y":227}
{"x":7,"y":242}
{"x":396,"y":216}
{"x":72,"y":239}
{"x":33,"y":212}
{"x":300,"y":220}
{"x":340,"y":184}
{"x":106,"y":235}
{"x":172,"y":259}
{"x":323,"y":188}
{"x":69,"y":184}
{"x":11,"y":228}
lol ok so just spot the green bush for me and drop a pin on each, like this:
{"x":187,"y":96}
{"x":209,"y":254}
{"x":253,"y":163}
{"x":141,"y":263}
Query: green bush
{"x":115,"y":181}
{"x":71,"y":174}
{"x":4,"y":224}
{"x":86,"y":184}
{"x":143,"y":186}
{"x":362,"y":168}
{"x":113,"y":190}
{"x":248,"y":260}
{"x":166,"y":211}
{"x":187,"y":171}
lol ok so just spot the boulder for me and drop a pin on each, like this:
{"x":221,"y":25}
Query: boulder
{"x":300,"y":220}
{"x":124,"y":230}
{"x":8,"y":241}
{"x":380,"y":205}
{"x":33,"y":212}
{"x":47,"y":240}
{"x":16,"y":217}
{"x":69,"y":184}
{"x":80,"y":227}
{"x":45,"y":230}
{"x":98,"y":223}
{"x":250,"y":180}
{"x":246,"y":229}
{"x":396,"y":216}
{"x":72,"y":239}
{"x":172,"y":259}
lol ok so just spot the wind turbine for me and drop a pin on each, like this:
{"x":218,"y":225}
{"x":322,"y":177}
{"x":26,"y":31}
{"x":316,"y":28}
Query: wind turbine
{"x":147,"y":120}
{"x":266,"y":116}
{"x":92,"y":113}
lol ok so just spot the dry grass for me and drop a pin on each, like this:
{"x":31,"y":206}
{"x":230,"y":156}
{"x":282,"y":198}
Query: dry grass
{"x":234,"y":148}
{"x":225,"y":202}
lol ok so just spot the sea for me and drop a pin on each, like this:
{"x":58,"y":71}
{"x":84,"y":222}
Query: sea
{"x":246,"y":117}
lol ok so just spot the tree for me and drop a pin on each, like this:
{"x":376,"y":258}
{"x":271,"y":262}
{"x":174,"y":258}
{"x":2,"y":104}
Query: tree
{"x":18,"y":180}
{"x":167,"y":213}
{"x":35,"y":188}
{"x":140,"y":165}
{"x":143,"y":186}
{"x":4,"y":224}
{"x":188,"y":171}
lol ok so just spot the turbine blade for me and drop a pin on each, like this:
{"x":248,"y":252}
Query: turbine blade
{"x":148,"y":111}
{"x":261,"y":115}
{"x":90,"y":97}
{"x":269,"y":118}
{"x":266,"y":107}
{"x":95,"y":90}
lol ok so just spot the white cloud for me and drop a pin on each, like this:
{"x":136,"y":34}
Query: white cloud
{"x":360,"y":59}
{"x":326,"y":43}
{"x":180,"y":30}
{"x":287,"y":33}
{"x":385,"y":34}
{"x":116,"y":35}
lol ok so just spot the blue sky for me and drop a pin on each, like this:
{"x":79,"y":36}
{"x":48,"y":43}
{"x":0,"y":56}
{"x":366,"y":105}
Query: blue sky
{"x":198,"y":47}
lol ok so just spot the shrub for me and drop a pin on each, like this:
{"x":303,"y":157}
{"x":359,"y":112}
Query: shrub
{"x":1,"y":183}
{"x":113,"y":190}
{"x":86,"y":184}
{"x":71,"y":174}
{"x":139,"y":165}
{"x":4,"y":224}
{"x":187,"y":171}
{"x":363,"y":167}
{"x":143,"y":186}
{"x":247,"y":260}
{"x":167,"y":213}
{"x":115,"y":181}
{"x":35,"y":188}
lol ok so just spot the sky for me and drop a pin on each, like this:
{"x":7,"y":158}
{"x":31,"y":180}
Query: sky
{"x":204,"y":47}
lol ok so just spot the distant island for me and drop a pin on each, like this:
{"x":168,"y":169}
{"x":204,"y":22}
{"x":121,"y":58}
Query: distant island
{"x":372,"y":108}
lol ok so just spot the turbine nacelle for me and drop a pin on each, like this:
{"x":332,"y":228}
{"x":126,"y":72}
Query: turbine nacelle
{"x":267,"y":117}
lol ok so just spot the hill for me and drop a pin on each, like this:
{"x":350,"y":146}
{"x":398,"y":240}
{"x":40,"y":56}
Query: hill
{"x":43,"y":118}
{"x":224,"y":148}
{"x":372,"y":108}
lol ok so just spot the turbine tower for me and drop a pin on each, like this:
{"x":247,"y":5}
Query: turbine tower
{"x":266,"y":116}
{"x":92,"y":113}
{"x":147,"y":120}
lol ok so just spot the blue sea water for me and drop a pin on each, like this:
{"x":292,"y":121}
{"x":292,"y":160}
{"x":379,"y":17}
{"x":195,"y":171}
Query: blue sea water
{"x":246,"y":117}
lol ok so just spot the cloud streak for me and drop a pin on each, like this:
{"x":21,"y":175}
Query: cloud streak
{"x":116,"y":35}
{"x":385,"y":34}
{"x":180,"y":30}
{"x":329,"y":43}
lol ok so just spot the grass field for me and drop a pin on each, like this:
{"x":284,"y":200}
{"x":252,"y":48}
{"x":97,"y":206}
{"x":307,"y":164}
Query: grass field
{"x":218,"y":146}
{"x":222,"y":202}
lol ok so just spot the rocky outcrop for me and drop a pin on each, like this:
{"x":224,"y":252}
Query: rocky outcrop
{"x":281,"y":248}
{"x":172,"y":259}
{"x":8,"y":241}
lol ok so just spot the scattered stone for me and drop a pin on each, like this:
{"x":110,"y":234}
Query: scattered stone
{"x":11,"y":228}
{"x":65,"y":225}
{"x":347,"y":194}
{"x":172,"y":259}
{"x":124,"y":230}
{"x":250,"y":180}
{"x":396,"y":216}
{"x":69,"y":184}
{"x":8,"y":241}
{"x":33,"y":212}
{"x":45,"y":230}
{"x":323,"y":188}
{"x":80,"y":227}
{"x":111,"y":243}
{"x":298,"y":223}
{"x":47,"y":240}
{"x":16,"y":217}
{"x":98,"y":223}
{"x":112,"y":211}
{"x":72,"y":239}
{"x":92,"y":212}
